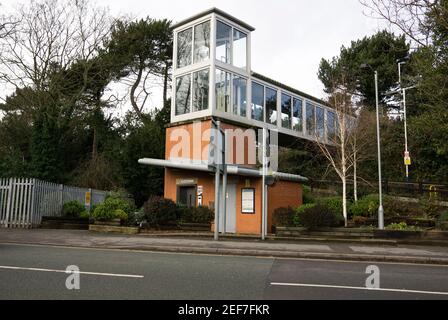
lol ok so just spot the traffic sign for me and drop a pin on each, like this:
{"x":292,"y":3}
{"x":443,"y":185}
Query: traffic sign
{"x":407,"y":161}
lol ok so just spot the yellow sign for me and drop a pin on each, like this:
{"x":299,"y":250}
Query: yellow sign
{"x":407,"y":161}
{"x":88,"y":198}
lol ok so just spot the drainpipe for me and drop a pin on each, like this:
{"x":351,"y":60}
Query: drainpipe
{"x":217,"y":178}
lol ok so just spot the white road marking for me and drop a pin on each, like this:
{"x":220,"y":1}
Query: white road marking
{"x":70,"y":272}
{"x":355,"y":288}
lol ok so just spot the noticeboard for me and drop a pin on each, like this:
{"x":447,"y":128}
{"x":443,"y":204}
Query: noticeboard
{"x":248,"y":200}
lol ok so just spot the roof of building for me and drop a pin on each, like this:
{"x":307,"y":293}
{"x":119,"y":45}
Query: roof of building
{"x":217,"y":11}
{"x":288,"y":88}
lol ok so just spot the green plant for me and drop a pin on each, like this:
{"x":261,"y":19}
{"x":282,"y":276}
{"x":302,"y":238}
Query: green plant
{"x":402,"y":226}
{"x":283,"y":217}
{"x":334,"y":204}
{"x":72,"y":209}
{"x":113,"y":208}
{"x":161,"y":211}
{"x":318,"y":216}
{"x":84,"y":215}
{"x":299,"y":211}
{"x":429,"y":206}
{"x":306,"y":195}
{"x":201,"y":214}
{"x":366,"y":206}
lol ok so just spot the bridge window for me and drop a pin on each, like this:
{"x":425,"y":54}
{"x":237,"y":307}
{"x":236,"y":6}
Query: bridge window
{"x":200,"y":90}
{"x":184,"y":43}
{"x":331,"y":126}
{"x":202,"y":42}
{"x":286,"y":111}
{"x":257,"y":101}
{"x":222,"y":90}
{"x":320,"y":122}
{"x":223,"y":42}
{"x":239,"y":96}
{"x":271,"y":106}
{"x":183,"y":94}
{"x":239,"y":49}
{"x":297,"y":115}
{"x":310,"y":120}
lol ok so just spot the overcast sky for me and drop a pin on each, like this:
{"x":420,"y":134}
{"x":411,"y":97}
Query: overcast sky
{"x":291,"y":36}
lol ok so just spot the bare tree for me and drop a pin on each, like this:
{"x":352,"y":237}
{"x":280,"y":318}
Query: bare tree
{"x":338,"y":145}
{"x":50,"y":37}
{"x":409,"y":16}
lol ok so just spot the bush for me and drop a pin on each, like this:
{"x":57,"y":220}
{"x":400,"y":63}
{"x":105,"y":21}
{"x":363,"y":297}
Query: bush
{"x":306,"y":196}
{"x":334,"y":204}
{"x":84,"y":215}
{"x":318,"y":216}
{"x":72,"y":209}
{"x":429,"y":206}
{"x":402,"y":226}
{"x":114,"y":207}
{"x":161,"y":211}
{"x":299,"y":211}
{"x":283,"y":217}
{"x":365,"y":207}
{"x":201,"y":214}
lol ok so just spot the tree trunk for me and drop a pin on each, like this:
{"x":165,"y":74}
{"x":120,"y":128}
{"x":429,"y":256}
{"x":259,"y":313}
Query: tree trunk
{"x":344,"y":200}
{"x":165,"y":85}
{"x":355,"y":178}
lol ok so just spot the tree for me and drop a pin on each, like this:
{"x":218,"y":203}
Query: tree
{"x":142,"y":50}
{"x":381,"y":51}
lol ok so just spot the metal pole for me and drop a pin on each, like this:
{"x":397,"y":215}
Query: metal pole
{"x":224,"y":197}
{"x":405,"y":132}
{"x":380,"y":208}
{"x":263,"y":196}
{"x":217,"y":178}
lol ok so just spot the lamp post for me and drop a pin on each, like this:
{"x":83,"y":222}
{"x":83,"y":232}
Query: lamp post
{"x":403,"y":90}
{"x":380,"y":188}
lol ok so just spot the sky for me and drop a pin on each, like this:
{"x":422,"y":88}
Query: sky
{"x":291,"y":36}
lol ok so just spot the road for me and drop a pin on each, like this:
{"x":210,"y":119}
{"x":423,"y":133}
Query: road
{"x":37,"y":272}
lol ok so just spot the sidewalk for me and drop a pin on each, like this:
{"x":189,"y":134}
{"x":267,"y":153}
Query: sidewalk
{"x":246,"y":247}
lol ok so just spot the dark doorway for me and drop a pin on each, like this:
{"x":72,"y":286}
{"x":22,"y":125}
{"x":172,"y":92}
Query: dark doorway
{"x":187,"y":196}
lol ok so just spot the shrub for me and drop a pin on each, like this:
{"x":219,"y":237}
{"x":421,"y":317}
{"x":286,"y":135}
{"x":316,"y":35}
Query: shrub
{"x":306,"y":196}
{"x":161,"y":211}
{"x":366,"y":206}
{"x":72,"y":209}
{"x":334,"y":204}
{"x":299,"y":211}
{"x":359,"y":220}
{"x":201,"y":214}
{"x":318,"y":216}
{"x":429,"y":206}
{"x":283,"y":217}
{"x":114,"y":207}
{"x":84,"y":215}
{"x":402,"y":226}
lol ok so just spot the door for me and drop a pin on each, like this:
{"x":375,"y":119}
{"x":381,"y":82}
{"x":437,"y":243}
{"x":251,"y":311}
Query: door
{"x":187,"y":196}
{"x":230,"y":210}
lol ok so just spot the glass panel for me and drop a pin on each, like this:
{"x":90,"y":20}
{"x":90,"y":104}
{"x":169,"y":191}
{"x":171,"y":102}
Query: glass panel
{"x":271,"y":106}
{"x":257,"y":101}
{"x":184,"y":42}
{"x":320,"y":122}
{"x":286,"y":111}
{"x":222,"y":85}
{"x":223,"y":38}
{"x":239,"y":96}
{"x":239,"y":49}
{"x":200,"y":90}
{"x":297,"y":115}
{"x":331,"y":125}
{"x":202,"y":42}
{"x":310,"y":121}
{"x":183,"y":94}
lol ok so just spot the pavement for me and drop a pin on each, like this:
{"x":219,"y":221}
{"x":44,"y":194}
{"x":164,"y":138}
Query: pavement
{"x":39,"y":272}
{"x":356,"y":251}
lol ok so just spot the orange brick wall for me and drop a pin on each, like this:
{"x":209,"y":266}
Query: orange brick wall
{"x":283,"y":194}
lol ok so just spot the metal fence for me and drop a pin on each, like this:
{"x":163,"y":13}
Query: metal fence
{"x":436,"y":191}
{"x":24,"y":201}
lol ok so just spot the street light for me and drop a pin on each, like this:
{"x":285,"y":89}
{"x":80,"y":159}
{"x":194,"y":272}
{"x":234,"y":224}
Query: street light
{"x":380,"y":208}
{"x":406,"y":151}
